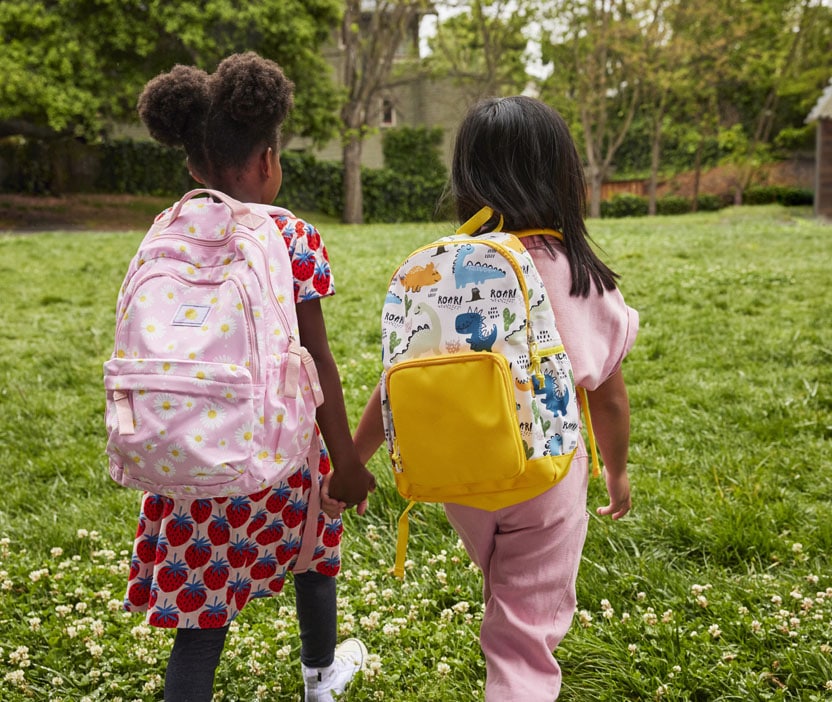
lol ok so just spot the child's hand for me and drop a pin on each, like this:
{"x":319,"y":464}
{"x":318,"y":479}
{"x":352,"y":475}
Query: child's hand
{"x":332,"y":508}
{"x":618,"y":488}
{"x":351,"y":484}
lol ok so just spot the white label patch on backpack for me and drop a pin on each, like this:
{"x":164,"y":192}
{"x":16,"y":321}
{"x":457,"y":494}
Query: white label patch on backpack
{"x":191,"y":315}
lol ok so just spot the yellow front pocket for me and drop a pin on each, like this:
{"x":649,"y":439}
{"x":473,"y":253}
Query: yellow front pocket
{"x":455,"y":423}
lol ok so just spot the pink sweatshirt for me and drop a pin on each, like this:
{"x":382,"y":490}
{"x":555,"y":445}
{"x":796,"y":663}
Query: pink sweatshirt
{"x":598,"y":331}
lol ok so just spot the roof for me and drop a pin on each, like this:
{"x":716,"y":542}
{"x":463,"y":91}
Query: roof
{"x":823,"y":107}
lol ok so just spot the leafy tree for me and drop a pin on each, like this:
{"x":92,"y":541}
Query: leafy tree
{"x":72,"y":67}
{"x":596,"y":52}
{"x":371,"y":38}
{"x":482,"y":46}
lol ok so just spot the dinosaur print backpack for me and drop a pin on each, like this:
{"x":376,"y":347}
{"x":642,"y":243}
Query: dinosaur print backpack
{"x":478,"y":399}
{"x":209,"y":392}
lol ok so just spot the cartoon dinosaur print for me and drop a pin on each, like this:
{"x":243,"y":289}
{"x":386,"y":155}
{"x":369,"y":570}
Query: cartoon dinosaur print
{"x":392,"y":298}
{"x":472,"y":273}
{"x":426,"y":338}
{"x":473,"y":323}
{"x":419,"y":276}
{"x":553,"y":400}
{"x":554,"y":446}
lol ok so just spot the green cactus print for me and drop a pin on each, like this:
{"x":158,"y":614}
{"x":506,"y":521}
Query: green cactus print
{"x":395,"y":340}
{"x":508,"y":318}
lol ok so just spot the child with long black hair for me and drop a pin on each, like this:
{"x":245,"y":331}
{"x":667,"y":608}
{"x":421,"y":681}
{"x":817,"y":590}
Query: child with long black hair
{"x":229,"y":126}
{"x":515,"y":155}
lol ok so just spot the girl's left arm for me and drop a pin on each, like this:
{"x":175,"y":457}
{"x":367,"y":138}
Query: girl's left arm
{"x":350,"y":481}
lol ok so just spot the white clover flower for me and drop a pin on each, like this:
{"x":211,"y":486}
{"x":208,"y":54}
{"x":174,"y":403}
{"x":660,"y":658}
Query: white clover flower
{"x":661,"y":691}
{"x":16,"y":677}
{"x":650,"y":617}
{"x":702,"y":601}
{"x":714,"y":631}
{"x":585,"y":618}
{"x":667,"y":616}
{"x":56,"y":552}
{"x":82,"y":533}
{"x":632,"y":648}
{"x":625,"y":617}
{"x":825,"y":648}
{"x":56,"y":681}
{"x":36,"y":575}
{"x":756,"y":626}
{"x":677,"y":669}
{"x":641,"y":596}
{"x":19,"y":656}
{"x":461,"y":607}
{"x":443,"y":668}
{"x":442,"y":577}
{"x":797,"y":548}
{"x":796,"y":594}
{"x":34,"y":623}
{"x":811,"y":578}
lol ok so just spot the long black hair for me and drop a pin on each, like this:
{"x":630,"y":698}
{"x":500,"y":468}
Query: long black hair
{"x":516,"y":155}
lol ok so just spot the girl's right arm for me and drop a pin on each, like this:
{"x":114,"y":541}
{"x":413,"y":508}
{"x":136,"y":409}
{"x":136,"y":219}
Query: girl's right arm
{"x":610,"y":409}
{"x":369,"y":434}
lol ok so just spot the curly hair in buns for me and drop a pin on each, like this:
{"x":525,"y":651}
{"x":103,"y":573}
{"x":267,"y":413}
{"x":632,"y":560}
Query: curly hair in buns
{"x":174,"y":107}
{"x":250,"y":99}
{"x":219,"y":120}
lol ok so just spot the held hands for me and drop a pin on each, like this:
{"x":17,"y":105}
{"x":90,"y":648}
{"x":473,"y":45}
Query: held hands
{"x":618,"y":488}
{"x":346,"y":487}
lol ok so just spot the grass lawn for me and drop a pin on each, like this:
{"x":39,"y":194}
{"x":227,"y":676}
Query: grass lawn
{"x":718,"y":586}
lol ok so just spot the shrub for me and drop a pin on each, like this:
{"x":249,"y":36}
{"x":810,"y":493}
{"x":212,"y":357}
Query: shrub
{"x":624,"y":205}
{"x":709,"y":203}
{"x":760,"y":195}
{"x":795,"y":196}
{"x":672,"y":205}
{"x":413,"y":151}
{"x":782,"y":194}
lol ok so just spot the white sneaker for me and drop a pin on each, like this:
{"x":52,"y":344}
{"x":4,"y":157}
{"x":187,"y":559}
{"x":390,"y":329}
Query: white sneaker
{"x":321,"y":684}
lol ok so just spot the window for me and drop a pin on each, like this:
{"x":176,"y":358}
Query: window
{"x":388,"y":113}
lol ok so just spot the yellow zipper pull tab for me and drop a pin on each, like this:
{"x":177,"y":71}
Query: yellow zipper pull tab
{"x":535,"y":363}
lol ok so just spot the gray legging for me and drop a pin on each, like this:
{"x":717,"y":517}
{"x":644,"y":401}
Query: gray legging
{"x":196,"y":652}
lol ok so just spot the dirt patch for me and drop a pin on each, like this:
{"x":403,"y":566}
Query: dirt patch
{"x":24,"y":213}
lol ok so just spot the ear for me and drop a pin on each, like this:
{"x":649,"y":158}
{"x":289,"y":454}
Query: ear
{"x":196,"y":176}
{"x":265,"y":162}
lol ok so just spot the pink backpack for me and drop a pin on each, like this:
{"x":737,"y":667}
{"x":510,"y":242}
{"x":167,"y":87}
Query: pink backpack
{"x":209,"y":392}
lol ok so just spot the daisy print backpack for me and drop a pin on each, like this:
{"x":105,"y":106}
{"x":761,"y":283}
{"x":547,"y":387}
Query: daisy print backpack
{"x":208,"y":391}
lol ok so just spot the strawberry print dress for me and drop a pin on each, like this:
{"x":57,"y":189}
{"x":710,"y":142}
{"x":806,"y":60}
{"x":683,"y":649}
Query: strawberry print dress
{"x":196,"y":563}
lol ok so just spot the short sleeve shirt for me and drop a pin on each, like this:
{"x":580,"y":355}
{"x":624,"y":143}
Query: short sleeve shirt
{"x":597,"y":331}
{"x":311,"y":271}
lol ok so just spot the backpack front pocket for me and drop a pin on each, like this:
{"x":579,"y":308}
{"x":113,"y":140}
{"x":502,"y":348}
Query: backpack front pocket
{"x":454,"y":422}
{"x":175,"y":424}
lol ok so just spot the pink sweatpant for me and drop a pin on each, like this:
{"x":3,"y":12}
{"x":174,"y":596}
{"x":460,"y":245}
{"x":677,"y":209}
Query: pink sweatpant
{"x":529,"y":555}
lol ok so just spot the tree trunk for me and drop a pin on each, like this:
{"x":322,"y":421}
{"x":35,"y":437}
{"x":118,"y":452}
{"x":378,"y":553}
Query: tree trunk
{"x":596,"y":180}
{"x":655,"y":158}
{"x":697,"y":173}
{"x":353,"y":197}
